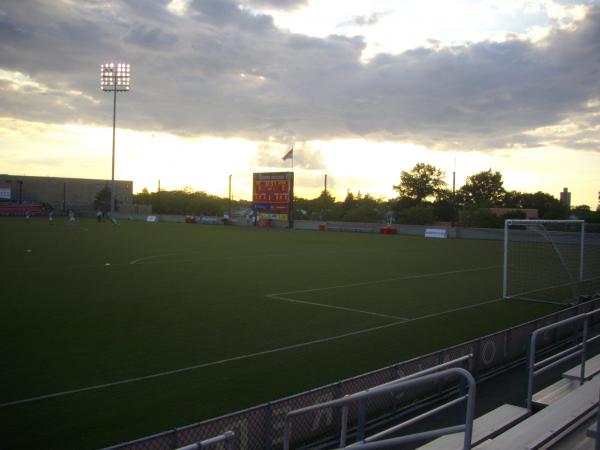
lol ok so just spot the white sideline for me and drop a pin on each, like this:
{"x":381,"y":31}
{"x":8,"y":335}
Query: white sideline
{"x":198,"y":366}
{"x":235,"y":358}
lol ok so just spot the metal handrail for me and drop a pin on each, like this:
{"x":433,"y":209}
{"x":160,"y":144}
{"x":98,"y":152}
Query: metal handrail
{"x":344,"y":427}
{"x":225,"y":438}
{"x":429,"y":370}
{"x":467,"y":427}
{"x":580,"y":349}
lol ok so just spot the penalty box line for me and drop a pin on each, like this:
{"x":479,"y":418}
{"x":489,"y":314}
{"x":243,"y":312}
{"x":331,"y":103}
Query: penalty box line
{"x":342,"y":308}
{"x":233,"y":359}
{"x":284,"y":296}
{"x":387,"y":280}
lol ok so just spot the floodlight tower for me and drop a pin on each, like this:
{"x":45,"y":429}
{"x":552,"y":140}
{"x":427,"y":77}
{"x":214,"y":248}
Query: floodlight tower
{"x":114,"y":78}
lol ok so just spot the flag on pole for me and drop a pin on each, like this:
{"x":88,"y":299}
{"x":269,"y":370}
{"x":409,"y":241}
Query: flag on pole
{"x":289,"y":155}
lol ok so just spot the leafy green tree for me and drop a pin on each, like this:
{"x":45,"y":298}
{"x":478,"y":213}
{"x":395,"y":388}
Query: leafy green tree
{"x":422,"y":182}
{"x":444,"y":210}
{"x":184,"y":201}
{"x":513,"y":199}
{"x":367,"y":208}
{"x":484,"y":189}
{"x":348,"y":202}
{"x":102,"y":200}
{"x":594,"y":217}
{"x":483,"y":218}
{"x":322,"y":207}
{"x":582,"y":212}
{"x":548,"y":206}
{"x":420,"y":214}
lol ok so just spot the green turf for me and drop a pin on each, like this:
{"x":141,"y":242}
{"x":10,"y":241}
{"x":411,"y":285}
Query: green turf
{"x":203,"y":294}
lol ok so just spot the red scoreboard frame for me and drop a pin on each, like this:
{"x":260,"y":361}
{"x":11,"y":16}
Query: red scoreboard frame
{"x":273,"y":195}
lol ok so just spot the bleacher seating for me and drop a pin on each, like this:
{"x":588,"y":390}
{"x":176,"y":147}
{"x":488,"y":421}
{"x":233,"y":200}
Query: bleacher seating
{"x":565,"y":403}
{"x":484,"y":428}
{"x":542,"y":427}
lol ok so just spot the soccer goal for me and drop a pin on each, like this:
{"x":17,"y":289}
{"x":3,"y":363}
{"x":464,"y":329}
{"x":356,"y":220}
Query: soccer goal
{"x":551,"y":261}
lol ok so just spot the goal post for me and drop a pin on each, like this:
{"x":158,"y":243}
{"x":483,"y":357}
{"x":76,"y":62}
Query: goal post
{"x":551,"y":261}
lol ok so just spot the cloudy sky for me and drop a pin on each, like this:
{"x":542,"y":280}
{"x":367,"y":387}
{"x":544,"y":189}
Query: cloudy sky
{"x":361,"y":90}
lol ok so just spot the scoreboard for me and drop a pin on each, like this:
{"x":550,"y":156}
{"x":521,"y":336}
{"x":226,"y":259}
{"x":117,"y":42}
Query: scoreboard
{"x":272,"y":195}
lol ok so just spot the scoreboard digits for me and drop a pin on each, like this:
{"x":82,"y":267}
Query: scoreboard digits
{"x":272,"y":194}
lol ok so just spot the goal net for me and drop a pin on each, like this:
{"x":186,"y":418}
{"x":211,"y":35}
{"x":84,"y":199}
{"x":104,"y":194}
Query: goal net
{"x":554,"y":261}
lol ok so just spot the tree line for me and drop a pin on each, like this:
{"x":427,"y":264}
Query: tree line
{"x":187,"y":201}
{"x":423,"y":198}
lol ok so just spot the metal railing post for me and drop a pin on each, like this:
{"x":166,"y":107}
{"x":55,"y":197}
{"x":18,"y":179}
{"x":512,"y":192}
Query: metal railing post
{"x":470,"y":415}
{"x":584,"y":337}
{"x":507,"y":223}
{"x":360,"y":432}
{"x":579,"y":348}
{"x":287,"y":434}
{"x":581,"y":254}
{"x":530,"y":370}
{"x":344,"y":426}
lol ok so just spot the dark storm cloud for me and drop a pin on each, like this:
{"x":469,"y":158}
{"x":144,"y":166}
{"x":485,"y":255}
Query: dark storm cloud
{"x":224,"y":70}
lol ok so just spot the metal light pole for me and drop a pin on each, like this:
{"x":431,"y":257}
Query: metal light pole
{"x":114,"y":78}
{"x":230,"y":196}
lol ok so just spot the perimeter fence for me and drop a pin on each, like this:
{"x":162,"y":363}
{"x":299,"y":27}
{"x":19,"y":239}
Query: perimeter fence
{"x":262,"y":427}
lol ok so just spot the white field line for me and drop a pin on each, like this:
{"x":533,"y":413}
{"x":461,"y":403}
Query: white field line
{"x":235,"y":358}
{"x":323,"y":305}
{"x":199,"y":366}
{"x":387,"y":280}
{"x":216,"y":258}
{"x":429,"y":316}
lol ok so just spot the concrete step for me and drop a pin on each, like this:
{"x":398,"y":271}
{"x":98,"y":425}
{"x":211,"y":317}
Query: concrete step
{"x":593,"y":431}
{"x":484,"y":428}
{"x":592,"y":368}
{"x":554,"y":392}
{"x":543,"y":426}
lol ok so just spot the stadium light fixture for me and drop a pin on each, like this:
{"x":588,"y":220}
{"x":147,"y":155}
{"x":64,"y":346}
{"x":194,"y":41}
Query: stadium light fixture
{"x":114,"y":78}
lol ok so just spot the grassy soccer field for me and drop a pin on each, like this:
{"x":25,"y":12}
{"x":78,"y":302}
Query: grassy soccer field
{"x":90,"y":311}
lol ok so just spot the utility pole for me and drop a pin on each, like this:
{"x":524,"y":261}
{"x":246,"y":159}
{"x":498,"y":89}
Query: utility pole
{"x":454,"y":194}
{"x":230,"y":197}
